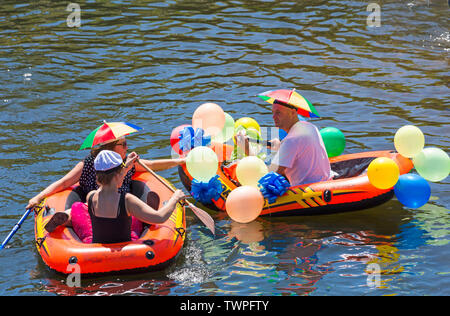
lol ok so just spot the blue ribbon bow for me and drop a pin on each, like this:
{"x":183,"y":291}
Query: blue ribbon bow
{"x":273,"y":185}
{"x":190,"y":139}
{"x":204,"y":192}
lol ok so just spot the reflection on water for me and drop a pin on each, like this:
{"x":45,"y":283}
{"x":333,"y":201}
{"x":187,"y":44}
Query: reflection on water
{"x":152,"y":63}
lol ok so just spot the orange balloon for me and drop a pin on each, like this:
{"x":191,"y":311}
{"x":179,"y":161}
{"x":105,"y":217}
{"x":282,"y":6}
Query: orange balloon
{"x":210,"y":117}
{"x":244,"y":204}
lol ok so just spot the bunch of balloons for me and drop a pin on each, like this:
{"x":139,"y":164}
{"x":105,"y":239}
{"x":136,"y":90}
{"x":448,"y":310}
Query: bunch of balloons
{"x":202,"y":162}
{"x":432,"y":164}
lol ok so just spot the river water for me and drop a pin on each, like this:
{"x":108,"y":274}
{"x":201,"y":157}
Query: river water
{"x":152,"y":63}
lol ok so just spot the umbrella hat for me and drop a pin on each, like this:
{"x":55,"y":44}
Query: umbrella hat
{"x":108,"y":131}
{"x":292,"y":99}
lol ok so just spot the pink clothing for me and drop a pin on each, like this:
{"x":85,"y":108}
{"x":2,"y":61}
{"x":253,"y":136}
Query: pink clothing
{"x":82,"y":225}
{"x":303,"y":154}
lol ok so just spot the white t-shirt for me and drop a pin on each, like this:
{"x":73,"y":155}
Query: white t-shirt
{"x":303,"y":154}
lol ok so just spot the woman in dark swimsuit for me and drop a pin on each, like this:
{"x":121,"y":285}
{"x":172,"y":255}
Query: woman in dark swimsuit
{"x":110,"y":210}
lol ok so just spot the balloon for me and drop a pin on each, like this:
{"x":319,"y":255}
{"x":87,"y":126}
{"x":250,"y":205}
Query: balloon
{"x":409,"y":141}
{"x":247,"y":122}
{"x":210,"y":117}
{"x":174,"y":138}
{"x":249,"y":170}
{"x":281,"y":134}
{"x":223,"y":151}
{"x":244,"y":204}
{"x":432,"y":163}
{"x":202,"y":163}
{"x":383,"y":173}
{"x":227,"y":131}
{"x":412,"y":190}
{"x":334,"y":141}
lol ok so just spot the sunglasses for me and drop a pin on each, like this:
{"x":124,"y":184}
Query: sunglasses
{"x":123,"y":144}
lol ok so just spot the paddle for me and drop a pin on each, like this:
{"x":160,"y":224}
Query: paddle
{"x":201,"y":214}
{"x":16,"y":228}
{"x":260,"y":141}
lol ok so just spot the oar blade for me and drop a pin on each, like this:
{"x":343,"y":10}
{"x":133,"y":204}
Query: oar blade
{"x":203,"y":216}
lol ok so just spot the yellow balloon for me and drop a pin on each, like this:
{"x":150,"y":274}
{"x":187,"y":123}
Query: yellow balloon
{"x":249,"y":170}
{"x":247,"y":122}
{"x":244,"y":204}
{"x":383,"y":173}
{"x":202,"y":163}
{"x":409,"y":141}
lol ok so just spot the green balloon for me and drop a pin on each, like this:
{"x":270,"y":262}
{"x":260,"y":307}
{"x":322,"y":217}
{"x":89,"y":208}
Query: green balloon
{"x":202,"y":163}
{"x":227,"y":131}
{"x":432,"y":163}
{"x":334,"y":141}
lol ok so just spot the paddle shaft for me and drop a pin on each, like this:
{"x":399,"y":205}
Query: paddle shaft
{"x":260,"y":141}
{"x":201,"y":214}
{"x":156,"y":176}
{"x":15,"y":228}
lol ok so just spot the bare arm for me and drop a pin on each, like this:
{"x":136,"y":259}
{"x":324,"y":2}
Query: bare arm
{"x":282,"y":171}
{"x":69,"y":179}
{"x":147,"y":214}
{"x":159,"y":164}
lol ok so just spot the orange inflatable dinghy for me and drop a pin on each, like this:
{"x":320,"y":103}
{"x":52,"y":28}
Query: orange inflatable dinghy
{"x":349,"y":190}
{"x":157,"y":246}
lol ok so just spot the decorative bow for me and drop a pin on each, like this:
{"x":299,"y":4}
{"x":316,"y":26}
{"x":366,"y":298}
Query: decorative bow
{"x":273,"y":185}
{"x":190,"y":139}
{"x":204,"y":192}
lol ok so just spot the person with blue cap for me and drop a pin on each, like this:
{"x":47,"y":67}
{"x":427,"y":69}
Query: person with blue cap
{"x":110,"y":210}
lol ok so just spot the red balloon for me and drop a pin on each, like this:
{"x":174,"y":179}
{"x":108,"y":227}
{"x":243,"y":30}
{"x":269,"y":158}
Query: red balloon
{"x":174,"y":138}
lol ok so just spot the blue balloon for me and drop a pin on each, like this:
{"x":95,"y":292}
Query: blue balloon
{"x":282,"y":134}
{"x":412,"y":190}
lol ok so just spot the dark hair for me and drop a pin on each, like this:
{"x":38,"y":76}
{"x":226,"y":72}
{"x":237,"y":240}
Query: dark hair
{"x":108,"y":146}
{"x":105,"y":177}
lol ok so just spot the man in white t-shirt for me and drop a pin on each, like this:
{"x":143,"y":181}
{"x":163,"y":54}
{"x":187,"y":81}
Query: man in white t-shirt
{"x":301,"y":156}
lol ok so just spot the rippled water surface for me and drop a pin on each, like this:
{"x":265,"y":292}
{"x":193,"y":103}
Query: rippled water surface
{"x":152,"y":63}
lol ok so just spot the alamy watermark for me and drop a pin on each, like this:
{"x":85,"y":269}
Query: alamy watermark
{"x":74,"y":277}
{"x":373,"y":271}
{"x":374,"y":18}
{"x":74,"y":18}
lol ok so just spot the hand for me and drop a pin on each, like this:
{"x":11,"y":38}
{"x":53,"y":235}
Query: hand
{"x":241,"y":140}
{"x":33,"y":202}
{"x":131,"y":159}
{"x":181,"y":160}
{"x":178,"y":195}
{"x":275,"y":144}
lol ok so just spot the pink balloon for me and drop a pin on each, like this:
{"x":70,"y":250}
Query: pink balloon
{"x":210,"y":117}
{"x":244,"y":204}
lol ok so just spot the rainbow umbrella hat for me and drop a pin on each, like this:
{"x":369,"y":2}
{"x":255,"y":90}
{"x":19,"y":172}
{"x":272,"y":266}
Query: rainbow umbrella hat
{"x":108,"y":132}
{"x":291,"y":99}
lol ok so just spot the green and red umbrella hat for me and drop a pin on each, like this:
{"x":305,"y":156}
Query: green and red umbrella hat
{"x":108,"y":132}
{"x":291,"y":99}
